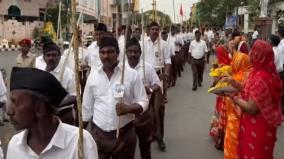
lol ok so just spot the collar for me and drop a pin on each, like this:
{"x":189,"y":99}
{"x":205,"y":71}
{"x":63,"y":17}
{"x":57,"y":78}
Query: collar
{"x":57,"y":140}
{"x":57,"y":68}
{"x":150,"y":40}
{"x":117,"y":68}
{"x":140,"y":64}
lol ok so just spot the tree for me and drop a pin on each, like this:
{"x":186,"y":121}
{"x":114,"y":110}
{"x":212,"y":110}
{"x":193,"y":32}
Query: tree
{"x":163,"y":19}
{"x":214,"y":12}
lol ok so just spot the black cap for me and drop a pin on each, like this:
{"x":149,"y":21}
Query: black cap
{"x":45,"y":40}
{"x":50,"y":46}
{"x":275,"y":40}
{"x":281,"y":31}
{"x":153,"y":24}
{"x":109,"y":41}
{"x":131,"y":42}
{"x":38,"y":81}
{"x":101,"y":27}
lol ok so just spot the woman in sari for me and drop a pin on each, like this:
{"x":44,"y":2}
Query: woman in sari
{"x":218,"y":124}
{"x":223,"y":58}
{"x":260,"y":103}
{"x":241,"y":68}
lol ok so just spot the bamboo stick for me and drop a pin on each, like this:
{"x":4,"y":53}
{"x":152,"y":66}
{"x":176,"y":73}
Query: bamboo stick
{"x":124,"y":61}
{"x":79,"y":103}
{"x":143,"y":48}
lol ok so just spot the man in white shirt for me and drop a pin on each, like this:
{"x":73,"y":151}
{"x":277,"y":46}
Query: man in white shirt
{"x":52,"y":56}
{"x":157,"y":54}
{"x":255,"y":35}
{"x":176,"y":40}
{"x":39,"y":62}
{"x":274,"y":42}
{"x":3,"y":99}
{"x":143,"y":122}
{"x":108,"y":104}
{"x":198,"y":51}
{"x":34,"y":96}
{"x":68,"y":58}
{"x":280,"y":48}
{"x":92,"y":56}
{"x":1,"y":152}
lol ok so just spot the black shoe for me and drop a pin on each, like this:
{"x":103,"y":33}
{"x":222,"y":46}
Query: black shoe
{"x":200,"y":84}
{"x":162,"y":145}
{"x":194,"y":88}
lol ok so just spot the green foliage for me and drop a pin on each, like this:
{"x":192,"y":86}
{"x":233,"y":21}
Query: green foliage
{"x":213,"y":12}
{"x":36,"y":33}
{"x":163,"y":19}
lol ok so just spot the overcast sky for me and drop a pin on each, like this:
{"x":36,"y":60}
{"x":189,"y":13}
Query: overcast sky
{"x":167,"y":6}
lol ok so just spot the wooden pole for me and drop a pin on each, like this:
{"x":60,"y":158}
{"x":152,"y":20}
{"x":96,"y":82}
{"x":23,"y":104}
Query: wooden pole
{"x":124,"y":61}
{"x":143,"y":49}
{"x":59,"y":22}
{"x":78,"y":89}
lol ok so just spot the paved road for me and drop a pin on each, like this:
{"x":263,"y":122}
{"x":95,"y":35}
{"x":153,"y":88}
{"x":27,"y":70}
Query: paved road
{"x":188,"y":116}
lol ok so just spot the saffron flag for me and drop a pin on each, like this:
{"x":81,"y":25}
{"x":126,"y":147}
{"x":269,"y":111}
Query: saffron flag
{"x":181,"y":10}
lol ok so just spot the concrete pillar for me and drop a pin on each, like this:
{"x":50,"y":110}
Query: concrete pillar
{"x":274,"y":26}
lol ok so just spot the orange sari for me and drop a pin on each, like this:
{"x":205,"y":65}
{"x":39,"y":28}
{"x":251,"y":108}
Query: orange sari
{"x":241,"y":68}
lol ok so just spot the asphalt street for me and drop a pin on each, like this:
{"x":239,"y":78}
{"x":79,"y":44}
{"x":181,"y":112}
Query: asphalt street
{"x":188,"y":116}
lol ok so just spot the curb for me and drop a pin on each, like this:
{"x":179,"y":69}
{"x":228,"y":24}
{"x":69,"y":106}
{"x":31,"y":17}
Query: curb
{"x":9,"y":49}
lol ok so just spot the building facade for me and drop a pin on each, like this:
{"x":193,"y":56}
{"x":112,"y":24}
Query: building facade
{"x":19,"y":18}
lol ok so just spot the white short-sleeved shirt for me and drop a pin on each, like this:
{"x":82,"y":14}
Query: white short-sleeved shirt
{"x":68,"y":79}
{"x":70,"y":59}
{"x":198,"y":49}
{"x":176,"y":41}
{"x":277,"y":60}
{"x":151,"y":78}
{"x":40,"y":63}
{"x":1,"y":152}
{"x":281,"y":51}
{"x":155,"y":54}
{"x":62,"y":145}
{"x":3,"y":89}
{"x":99,"y":102}
{"x":93,"y":56}
{"x":255,"y":34}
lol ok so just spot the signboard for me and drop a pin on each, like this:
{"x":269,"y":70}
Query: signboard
{"x":87,"y":7}
{"x":231,"y":22}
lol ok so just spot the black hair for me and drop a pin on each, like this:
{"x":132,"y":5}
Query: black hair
{"x":153,"y":24}
{"x":235,"y":34}
{"x":275,"y":40}
{"x":197,"y":32}
{"x":39,"y":98}
{"x":281,"y":31}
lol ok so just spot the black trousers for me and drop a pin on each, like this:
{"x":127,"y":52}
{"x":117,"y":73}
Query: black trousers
{"x":144,"y":130}
{"x":197,"y":66}
{"x":159,"y":115}
{"x":109,"y":147}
